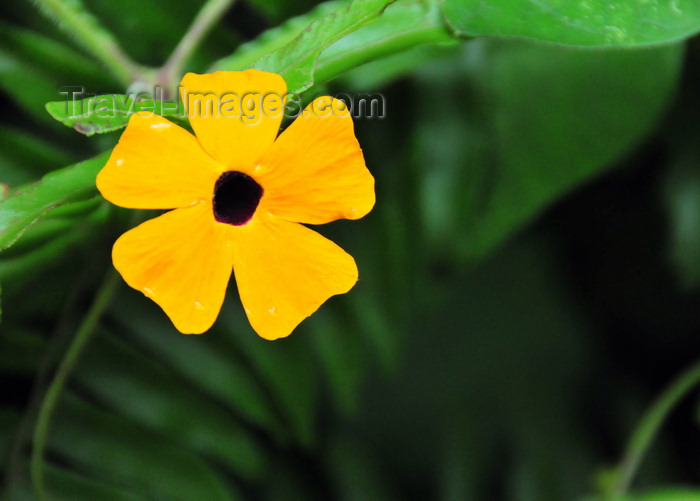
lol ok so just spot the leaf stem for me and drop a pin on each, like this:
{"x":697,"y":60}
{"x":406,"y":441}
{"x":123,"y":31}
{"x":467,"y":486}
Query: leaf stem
{"x":82,"y":336}
{"x":78,"y":23}
{"x":649,"y":427}
{"x":209,"y":14}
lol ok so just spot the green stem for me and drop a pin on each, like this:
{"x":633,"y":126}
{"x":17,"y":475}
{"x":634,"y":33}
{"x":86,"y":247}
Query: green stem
{"x":209,"y":14}
{"x":78,"y":23}
{"x":649,"y":427}
{"x":82,"y":336}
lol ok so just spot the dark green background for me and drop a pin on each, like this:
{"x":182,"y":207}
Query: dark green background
{"x":528,"y":280}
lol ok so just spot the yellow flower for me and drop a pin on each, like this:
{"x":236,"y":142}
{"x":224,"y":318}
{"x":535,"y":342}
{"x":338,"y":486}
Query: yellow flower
{"x":239,"y":194}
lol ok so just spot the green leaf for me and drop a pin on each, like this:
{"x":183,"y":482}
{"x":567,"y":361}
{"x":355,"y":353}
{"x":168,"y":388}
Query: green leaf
{"x":32,"y":263}
{"x":77,"y":22}
{"x":65,"y":485}
{"x":53,"y":57}
{"x":285,"y":368}
{"x":33,"y":67}
{"x":116,"y":450}
{"x":541,"y":121}
{"x":585,"y":23}
{"x":402,"y":26}
{"x":296,"y":61}
{"x":274,"y":39}
{"x":44,"y":244}
{"x":159,"y":400}
{"x":226,"y":378}
{"x":27,"y":205}
{"x":27,"y":85}
{"x":110,"y":112}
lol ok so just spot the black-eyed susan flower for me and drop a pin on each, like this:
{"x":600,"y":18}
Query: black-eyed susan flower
{"x":239,"y":194}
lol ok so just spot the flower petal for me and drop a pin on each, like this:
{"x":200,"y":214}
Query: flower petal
{"x":315,"y":172}
{"x":216,"y":105}
{"x":285,"y":271}
{"x":157,"y":165}
{"x":180,"y":260}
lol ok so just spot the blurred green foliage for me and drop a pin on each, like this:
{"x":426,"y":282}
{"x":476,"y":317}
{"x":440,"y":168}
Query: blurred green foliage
{"x":528,"y":279}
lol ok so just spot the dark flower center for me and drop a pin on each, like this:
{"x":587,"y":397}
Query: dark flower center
{"x":236,"y":196}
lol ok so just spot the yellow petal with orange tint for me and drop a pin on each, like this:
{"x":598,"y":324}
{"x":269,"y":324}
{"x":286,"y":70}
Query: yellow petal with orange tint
{"x":285,"y":271}
{"x":315,"y":172}
{"x":157,"y":165}
{"x":218,"y":104}
{"x":180,"y":260}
